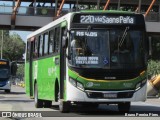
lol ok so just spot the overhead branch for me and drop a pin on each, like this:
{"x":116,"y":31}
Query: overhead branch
{"x":149,"y":8}
{"x":60,"y":8}
{"x":107,"y":4}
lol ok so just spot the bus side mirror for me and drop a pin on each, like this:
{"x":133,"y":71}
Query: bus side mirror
{"x":64,"y":42}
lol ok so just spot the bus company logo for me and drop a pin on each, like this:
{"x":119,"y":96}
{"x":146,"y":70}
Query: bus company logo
{"x":50,"y":71}
{"x":127,"y":85}
{"x":110,"y":78}
{"x":89,"y":84}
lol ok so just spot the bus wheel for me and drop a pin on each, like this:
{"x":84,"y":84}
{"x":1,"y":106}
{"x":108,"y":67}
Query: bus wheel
{"x":57,"y":93}
{"x":64,"y":107}
{"x":38,"y":103}
{"x":8,"y":91}
{"x":47,"y":103}
{"x":124,"y":107}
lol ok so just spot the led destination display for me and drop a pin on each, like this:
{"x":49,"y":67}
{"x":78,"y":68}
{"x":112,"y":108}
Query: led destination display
{"x":108,"y":19}
{"x":96,"y":19}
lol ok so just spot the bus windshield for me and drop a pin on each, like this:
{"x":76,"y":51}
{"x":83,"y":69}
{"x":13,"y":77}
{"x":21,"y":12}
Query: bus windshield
{"x":4,"y":73}
{"x":112,"y":48}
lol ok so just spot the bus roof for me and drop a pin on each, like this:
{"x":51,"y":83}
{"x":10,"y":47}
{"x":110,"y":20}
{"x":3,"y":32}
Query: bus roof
{"x":107,"y":11}
{"x":49,"y":25}
{"x":65,"y":17}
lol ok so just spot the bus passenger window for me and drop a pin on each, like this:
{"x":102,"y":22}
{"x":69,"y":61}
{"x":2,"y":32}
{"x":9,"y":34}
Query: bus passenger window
{"x":36,"y":49}
{"x":51,"y":41}
{"x":40,"y":45}
{"x":28,"y":50}
{"x":57,"y":37}
{"x":33,"y":42}
{"x":46,"y":44}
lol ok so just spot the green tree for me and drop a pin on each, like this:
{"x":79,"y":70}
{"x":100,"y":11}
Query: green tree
{"x":153,"y":68}
{"x":154,"y":63}
{"x":4,"y":34}
{"x":20,"y":71}
{"x":13,"y":47}
{"x":156,"y":48}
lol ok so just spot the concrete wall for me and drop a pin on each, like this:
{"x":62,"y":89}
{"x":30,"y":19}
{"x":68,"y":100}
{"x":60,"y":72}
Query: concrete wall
{"x":5,"y":19}
{"x":36,"y":21}
{"x":153,"y":27}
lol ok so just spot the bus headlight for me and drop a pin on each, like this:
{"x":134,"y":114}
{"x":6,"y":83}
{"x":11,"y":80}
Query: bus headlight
{"x":73,"y":82}
{"x":8,"y":82}
{"x":140,"y":84}
{"x":80,"y":86}
{"x":76,"y":84}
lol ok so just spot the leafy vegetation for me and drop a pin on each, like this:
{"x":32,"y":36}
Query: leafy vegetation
{"x":13,"y":46}
{"x":13,"y":50}
{"x":20,"y":71}
{"x":154,"y":63}
{"x":153,"y":68}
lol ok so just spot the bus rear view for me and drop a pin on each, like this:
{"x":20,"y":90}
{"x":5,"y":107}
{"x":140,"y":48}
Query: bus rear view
{"x":5,"y":83}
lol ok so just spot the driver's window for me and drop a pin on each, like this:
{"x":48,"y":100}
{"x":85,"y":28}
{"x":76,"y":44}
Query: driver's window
{"x":77,"y":46}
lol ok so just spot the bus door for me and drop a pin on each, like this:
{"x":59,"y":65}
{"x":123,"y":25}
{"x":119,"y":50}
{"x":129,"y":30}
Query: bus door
{"x":62,"y":64}
{"x":31,"y":45}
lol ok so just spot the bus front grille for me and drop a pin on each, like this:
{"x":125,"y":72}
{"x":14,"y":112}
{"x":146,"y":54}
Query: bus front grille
{"x":117,"y":95}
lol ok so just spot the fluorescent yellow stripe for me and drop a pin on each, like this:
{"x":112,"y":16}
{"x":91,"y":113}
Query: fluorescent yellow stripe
{"x":93,"y":80}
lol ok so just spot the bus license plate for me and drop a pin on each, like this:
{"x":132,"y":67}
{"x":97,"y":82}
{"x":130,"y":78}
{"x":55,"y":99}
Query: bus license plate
{"x":110,"y":95}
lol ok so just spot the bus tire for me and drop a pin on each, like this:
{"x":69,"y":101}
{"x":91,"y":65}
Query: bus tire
{"x":124,"y":106}
{"x":47,"y":103}
{"x":57,"y":92}
{"x":7,"y":91}
{"x":64,"y":107}
{"x":38,"y":103}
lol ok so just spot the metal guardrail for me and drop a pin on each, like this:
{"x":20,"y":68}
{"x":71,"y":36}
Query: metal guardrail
{"x":6,"y":9}
{"x":50,"y":12}
{"x":153,"y":17}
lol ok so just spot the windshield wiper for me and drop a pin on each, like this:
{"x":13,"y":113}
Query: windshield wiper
{"x":123,"y":37}
{"x":88,"y":31}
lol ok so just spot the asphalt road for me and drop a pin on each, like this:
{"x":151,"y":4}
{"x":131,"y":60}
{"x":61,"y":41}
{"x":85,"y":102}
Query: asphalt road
{"x":17,"y":102}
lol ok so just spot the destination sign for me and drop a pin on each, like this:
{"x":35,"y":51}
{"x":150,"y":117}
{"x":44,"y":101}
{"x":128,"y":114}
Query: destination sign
{"x":104,"y":19}
{"x":3,"y":63}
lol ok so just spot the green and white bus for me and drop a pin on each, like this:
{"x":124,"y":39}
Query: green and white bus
{"x":88,"y":58}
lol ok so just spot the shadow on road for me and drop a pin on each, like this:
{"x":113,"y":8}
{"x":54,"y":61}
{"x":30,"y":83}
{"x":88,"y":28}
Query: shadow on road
{"x":2,"y":92}
{"x":86,"y":111}
{"x":106,"y":110}
{"x":147,"y":108}
{"x":18,"y":101}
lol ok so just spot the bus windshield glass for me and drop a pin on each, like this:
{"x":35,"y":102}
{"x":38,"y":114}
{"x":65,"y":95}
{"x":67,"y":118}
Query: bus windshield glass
{"x":107,"y":49}
{"x":4,"y":73}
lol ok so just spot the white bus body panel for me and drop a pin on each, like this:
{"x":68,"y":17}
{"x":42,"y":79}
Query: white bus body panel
{"x":74,"y":94}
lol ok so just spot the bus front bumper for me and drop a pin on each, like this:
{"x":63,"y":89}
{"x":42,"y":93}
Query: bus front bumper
{"x":6,"y":87}
{"x":76,"y":95}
